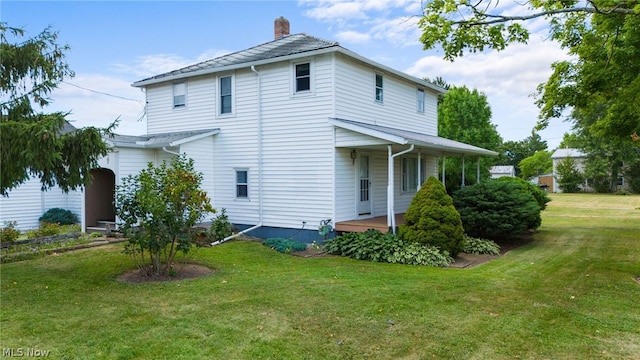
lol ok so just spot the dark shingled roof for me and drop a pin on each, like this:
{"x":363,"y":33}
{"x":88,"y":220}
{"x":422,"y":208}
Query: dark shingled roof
{"x":285,"y":46}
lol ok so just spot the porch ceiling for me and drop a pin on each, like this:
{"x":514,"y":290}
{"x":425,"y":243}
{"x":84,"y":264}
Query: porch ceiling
{"x":380,"y":136}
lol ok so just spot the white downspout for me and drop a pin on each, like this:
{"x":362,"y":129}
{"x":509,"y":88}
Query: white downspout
{"x":391,"y":216}
{"x":463,"y":172}
{"x":164,"y":148}
{"x":444,"y":166}
{"x":419,"y":172}
{"x":260,"y":207}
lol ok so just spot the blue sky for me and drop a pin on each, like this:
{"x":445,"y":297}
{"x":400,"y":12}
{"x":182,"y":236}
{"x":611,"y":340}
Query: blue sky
{"x":115,"y":43}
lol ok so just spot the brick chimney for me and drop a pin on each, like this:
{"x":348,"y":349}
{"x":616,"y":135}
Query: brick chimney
{"x":280,"y":28}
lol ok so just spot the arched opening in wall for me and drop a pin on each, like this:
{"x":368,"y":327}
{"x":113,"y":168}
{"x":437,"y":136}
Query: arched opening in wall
{"x":100,"y":213}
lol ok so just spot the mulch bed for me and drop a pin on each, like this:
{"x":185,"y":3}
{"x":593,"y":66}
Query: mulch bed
{"x":182,"y":271}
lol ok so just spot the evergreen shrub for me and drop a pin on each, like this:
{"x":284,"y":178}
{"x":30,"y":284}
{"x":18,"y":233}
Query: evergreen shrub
{"x":285,"y":246}
{"x":541,"y":197}
{"x":497,"y":209}
{"x":59,"y":216}
{"x":432,"y":219}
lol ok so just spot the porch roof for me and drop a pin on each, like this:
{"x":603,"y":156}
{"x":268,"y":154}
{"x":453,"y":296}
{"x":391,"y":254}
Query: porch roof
{"x":430,"y":143}
{"x":160,"y":140}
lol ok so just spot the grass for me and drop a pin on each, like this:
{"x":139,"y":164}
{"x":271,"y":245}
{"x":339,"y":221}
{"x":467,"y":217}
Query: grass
{"x":570,"y":294}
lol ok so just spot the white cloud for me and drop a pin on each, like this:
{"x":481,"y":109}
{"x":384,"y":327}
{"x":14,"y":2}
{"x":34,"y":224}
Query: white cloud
{"x":98,"y":100}
{"x":353,"y":37}
{"x":149,"y":65}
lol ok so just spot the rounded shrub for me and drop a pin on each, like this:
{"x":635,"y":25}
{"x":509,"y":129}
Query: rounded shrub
{"x":497,"y":209}
{"x":541,"y":197}
{"x":59,"y":216}
{"x":432,"y":219}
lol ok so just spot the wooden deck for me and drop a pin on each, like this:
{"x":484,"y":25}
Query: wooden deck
{"x":378,"y":223}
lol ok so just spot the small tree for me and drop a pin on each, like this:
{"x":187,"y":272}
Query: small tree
{"x":569,"y":177}
{"x":157,"y":210}
{"x":432,"y":219}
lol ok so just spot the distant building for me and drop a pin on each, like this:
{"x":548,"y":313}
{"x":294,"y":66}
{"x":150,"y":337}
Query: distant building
{"x":499,"y":171}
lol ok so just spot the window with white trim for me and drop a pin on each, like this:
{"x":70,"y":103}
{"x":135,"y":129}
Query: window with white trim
{"x":378,"y":89}
{"x":180,"y":94}
{"x":242,"y":183}
{"x":226,"y":91}
{"x":420,"y":101}
{"x":302,"y":77}
{"x":410,"y":173}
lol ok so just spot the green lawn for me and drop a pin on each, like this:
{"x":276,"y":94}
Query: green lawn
{"x":570,"y":294}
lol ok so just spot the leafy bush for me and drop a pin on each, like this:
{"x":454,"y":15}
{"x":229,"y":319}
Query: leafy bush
{"x":432,"y":219}
{"x":220,"y":226}
{"x":541,"y":197}
{"x":419,"y":254}
{"x":59,"y":216}
{"x":374,"y":246}
{"x":497,"y":209}
{"x":480,"y":246}
{"x":9,"y":233}
{"x":370,"y":245}
{"x":45,"y":229}
{"x":158,"y":209}
{"x":285,"y":246}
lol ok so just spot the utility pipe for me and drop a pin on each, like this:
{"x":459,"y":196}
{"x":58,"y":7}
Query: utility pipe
{"x":391,"y":216}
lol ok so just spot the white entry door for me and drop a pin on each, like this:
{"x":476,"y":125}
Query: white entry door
{"x":364,"y":185}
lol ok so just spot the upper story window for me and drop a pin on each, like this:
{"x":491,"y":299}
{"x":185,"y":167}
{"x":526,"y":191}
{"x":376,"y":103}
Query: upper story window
{"x":303,"y":77}
{"x":379,"y":87}
{"x":420,"y":100}
{"x":179,"y":94}
{"x":226,"y":100}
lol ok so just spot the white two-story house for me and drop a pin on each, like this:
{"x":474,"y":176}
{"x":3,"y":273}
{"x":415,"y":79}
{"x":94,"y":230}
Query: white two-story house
{"x":289,"y":133}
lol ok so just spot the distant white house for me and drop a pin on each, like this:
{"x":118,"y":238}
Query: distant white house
{"x":499,"y":171}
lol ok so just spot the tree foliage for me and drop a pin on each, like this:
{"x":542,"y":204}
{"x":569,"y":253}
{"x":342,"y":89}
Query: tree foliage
{"x":157,"y":209}
{"x":33,"y":143}
{"x":536,"y":164}
{"x":603,"y":35}
{"x":568,"y":175}
{"x":465,"y":115}
{"x":513,"y":152}
{"x":432,"y":219}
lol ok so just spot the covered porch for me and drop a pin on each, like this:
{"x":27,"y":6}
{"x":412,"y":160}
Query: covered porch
{"x":399,"y":159}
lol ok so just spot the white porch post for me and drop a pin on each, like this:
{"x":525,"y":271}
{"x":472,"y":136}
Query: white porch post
{"x":462,"y":185}
{"x":444,"y":166}
{"x":419,"y":172}
{"x":390,"y":214}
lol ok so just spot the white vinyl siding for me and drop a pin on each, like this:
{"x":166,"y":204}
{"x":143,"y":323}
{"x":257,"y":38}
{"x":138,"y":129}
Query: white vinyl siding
{"x":26,"y":204}
{"x":354,"y":90}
